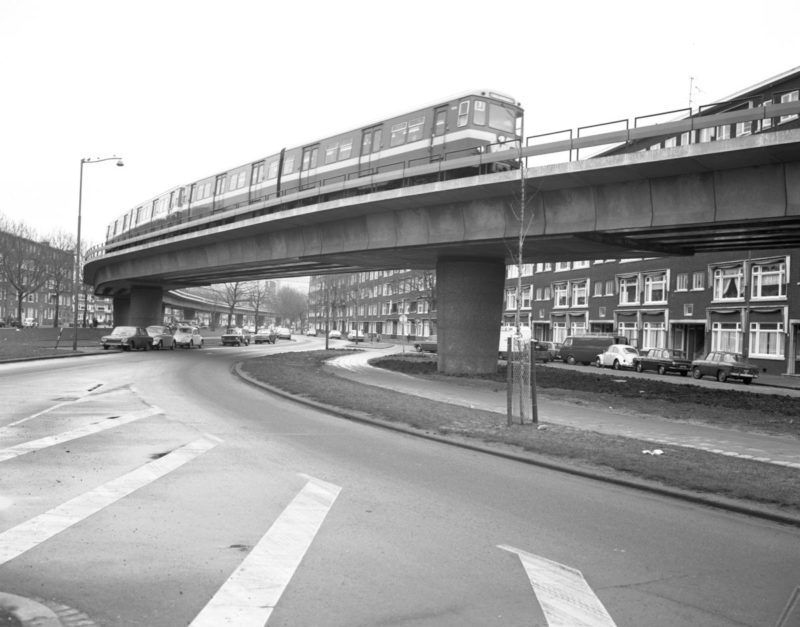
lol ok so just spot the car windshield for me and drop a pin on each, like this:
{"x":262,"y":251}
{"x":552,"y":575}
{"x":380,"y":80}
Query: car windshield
{"x":628,"y":349}
{"x":124,"y":331}
{"x":231,"y":330}
{"x":184,"y":329}
{"x":731,"y":357}
{"x":678,"y":354}
{"x":156,"y":330}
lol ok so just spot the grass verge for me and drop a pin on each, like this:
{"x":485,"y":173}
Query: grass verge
{"x":304,"y":374}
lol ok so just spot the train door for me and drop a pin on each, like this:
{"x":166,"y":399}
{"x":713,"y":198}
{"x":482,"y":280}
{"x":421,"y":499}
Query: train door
{"x":308,"y":165}
{"x":438,"y":133}
{"x":370,"y":144}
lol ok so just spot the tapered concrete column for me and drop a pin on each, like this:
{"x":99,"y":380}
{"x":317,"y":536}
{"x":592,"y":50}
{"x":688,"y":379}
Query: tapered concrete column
{"x":147,"y":306}
{"x":122,"y":310}
{"x":469,"y":299}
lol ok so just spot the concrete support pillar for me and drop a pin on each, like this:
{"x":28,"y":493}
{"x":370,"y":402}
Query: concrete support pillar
{"x":122,"y":310}
{"x":469,"y":298}
{"x":146,"y":306}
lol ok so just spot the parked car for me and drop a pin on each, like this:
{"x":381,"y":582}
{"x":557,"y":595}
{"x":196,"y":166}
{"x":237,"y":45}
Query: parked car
{"x":355,"y":336}
{"x":724,"y":365}
{"x":188,"y":337}
{"x":429,"y":345}
{"x":585,"y":348}
{"x":663,"y":360}
{"x":311,"y":332}
{"x":127,"y":338}
{"x":265,"y":336}
{"x":234,"y":336}
{"x":335,"y":334}
{"x":284,"y":333}
{"x":161,"y":337}
{"x":551,"y":348}
{"x":617,"y":356}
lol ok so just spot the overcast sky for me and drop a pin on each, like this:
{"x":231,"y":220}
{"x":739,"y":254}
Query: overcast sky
{"x":185,"y":88}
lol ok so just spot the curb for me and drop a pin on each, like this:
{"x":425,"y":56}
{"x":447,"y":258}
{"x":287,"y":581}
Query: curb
{"x":527,"y":458}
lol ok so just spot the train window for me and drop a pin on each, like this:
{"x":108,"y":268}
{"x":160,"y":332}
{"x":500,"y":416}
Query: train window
{"x":310,"y":158}
{"x":502,"y":119}
{"x":398,"y":134}
{"x":792,"y":96}
{"x":331,"y":152}
{"x":376,"y":139}
{"x":138,"y":215}
{"x":171,"y":200}
{"x":273,"y":169}
{"x":439,"y":126}
{"x":182,"y":197}
{"x":346,"y":148}
{"x":479,"y":115}
{"x":415,"y":129}
{"x":463,"y":112}
{"x":288,"y":165}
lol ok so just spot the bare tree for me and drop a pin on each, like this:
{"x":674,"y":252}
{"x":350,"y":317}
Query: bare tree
{"x":60,"y":273}
{"x":23,"y":260}
{"x":262,"y":294}
{"x":234,"y":295}
{"x":290,"y":304}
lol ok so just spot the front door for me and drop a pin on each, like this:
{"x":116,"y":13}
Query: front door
{"x":438,"y":132}
{"x":370,"y":144}
{"x":308,"y":166}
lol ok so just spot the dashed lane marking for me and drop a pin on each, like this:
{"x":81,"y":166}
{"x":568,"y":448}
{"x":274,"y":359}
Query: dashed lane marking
{"x":66,"y":436}
{"x":25,"y":536}
{"x":250,"y":594}
{"x":563,"y":594}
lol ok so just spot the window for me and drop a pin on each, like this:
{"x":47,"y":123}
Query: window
{"x":219,"y":185}
{"x":272,"y":172}
{"x":288,"y":165}
{"x":331,"y":152}
{"x":577,"y":265}
{"x":766,"y":339}
{"x":601,"y":311}
{"x":655,"y":288}
{"x":609,"y":288}
{"x":706,"y":135}
{"x":538,"y":293}
{"x":439,"y":125}
{"x":415,"y":129}
{"x":579,"y":290}
{"x":744,"y":128}
{"x":598,"y":288}
{"x":559,"y":332}
{"x":560,"y":295}
{"x":654,"y":335}
{"x":629,"y":331}
{"x":463,"y":113}
{"x":629,"y":290}
{"x":724,"y":132}
{"x":256,"y":176}
{"x":682,"y":282}
{"x":577,"y":328}
{"x":526,"y":296}
{"x":310,"y":156}
{"x":698,"y":280}
{"x":792,"y":96}
{"x":479,"y":116}
{"x":511,"y":299}
{"x":766,"y":122}
{"x":502,"y":119}
{"x":728,"y":284}
{"x":688,"y":309}
{"x":561,"y":266}
{"x":346,"y":149}
{"x":726,"y":336}
{"x":398,"y":135}
{"x":769,"y":280}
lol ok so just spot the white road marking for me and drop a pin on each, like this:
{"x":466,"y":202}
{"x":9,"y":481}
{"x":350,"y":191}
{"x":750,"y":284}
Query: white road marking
{"x":83,"y":396}
{"x":66,"y":436}
{"x":252,"y":591}
{"x":25,"y":536}
{"x":565,"y":597}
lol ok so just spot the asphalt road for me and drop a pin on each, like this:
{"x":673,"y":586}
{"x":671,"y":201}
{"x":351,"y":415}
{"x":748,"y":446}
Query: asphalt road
{"x":157,"y":489}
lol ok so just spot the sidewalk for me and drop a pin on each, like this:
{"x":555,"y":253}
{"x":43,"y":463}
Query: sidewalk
{"x":781,"y":450}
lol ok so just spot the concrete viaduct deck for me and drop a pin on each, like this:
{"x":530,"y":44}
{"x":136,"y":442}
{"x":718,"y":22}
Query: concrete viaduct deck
{"x":736,"y":194}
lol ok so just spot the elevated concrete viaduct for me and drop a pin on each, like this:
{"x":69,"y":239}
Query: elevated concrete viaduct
{"x":742,"y":193}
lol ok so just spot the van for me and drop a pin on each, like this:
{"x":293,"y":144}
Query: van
{"x":586,"y":348}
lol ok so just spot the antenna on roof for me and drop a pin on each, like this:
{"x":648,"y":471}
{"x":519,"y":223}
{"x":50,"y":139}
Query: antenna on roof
{"x":692,"y":90}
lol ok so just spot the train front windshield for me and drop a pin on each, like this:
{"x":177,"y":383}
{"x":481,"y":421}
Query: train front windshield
{"x":502,"y":119}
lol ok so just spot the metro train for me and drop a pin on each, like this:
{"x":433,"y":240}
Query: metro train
{"x":468,"y":124}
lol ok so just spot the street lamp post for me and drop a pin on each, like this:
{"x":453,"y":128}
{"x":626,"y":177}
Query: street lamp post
{"x":76,"y":290}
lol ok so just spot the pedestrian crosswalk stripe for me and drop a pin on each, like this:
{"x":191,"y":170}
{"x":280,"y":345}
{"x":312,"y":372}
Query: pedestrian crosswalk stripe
{"x":66,"y":436}
{"x":563,"y":594}
{"x":252,"y":591}
{"x":25,"y":536}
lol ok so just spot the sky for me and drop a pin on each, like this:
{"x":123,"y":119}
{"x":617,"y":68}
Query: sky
{"x":181,"y":89}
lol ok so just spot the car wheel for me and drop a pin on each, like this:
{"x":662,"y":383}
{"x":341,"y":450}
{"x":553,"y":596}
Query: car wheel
{"x":662,"y":370}
{"x":105,"y":348}
{"x":747,"y":381}
{"x":571,"y":360}
{"x":696,"y":373}
{"x":598,"y":363}
{"x":616,"y":364}
{"x":638,"y":367}
{"x":722,"y":376}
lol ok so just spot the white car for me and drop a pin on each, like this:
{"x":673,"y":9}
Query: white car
{"x":618,"y":356}
{"x":335,"y":334}
{"x":188,"y":337}
{"x":355,"y":336}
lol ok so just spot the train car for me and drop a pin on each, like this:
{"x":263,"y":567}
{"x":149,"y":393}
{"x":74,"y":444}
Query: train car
{"x":461,"y":126}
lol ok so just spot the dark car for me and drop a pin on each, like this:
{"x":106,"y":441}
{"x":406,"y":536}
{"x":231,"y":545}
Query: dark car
{"x":429,"y":345}
{"x":663,"y":360}
{"x":265,"y":335}
{"x":234,"y":336}
{"x":548,"y":350}
{"x":127,"y":338}
{"x":724,"y":365}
